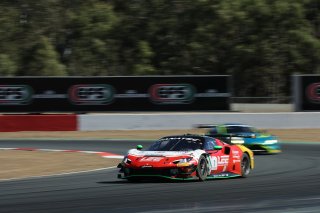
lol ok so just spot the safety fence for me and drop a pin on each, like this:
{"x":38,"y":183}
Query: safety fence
{"x":154,"y":121}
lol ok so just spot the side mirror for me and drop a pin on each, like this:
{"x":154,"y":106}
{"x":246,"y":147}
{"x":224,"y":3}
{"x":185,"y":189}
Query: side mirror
{"x":217,"y":147}
{"x":139,"y":147}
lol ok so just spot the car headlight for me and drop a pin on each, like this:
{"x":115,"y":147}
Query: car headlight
{"x":183,"y":160}
{"x":237,"y":140}
{"x":127,"y":160}
{"x":271,"y":141}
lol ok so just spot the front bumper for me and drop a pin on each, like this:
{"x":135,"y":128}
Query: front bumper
{"x":262,"y":148}
{"x":178,"y":173}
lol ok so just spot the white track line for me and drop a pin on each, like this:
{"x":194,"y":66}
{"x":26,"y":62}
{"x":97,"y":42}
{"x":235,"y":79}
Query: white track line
{"x":59,"y":174}
{"x":101,"y":154}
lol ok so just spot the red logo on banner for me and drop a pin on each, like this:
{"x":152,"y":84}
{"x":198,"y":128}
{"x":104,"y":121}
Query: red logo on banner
{"x":91,"y":94}
{"x":313,"y":92}
{"x":172,"y":93}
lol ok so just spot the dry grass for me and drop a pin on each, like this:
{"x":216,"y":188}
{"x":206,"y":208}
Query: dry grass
{"x":18,"y":164}
{"x":300,"y":135}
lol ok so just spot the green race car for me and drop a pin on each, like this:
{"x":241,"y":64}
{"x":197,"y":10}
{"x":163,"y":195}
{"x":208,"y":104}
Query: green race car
{"x":256,"y":140}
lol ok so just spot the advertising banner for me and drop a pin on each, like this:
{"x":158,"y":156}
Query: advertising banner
{"x":99,"y":94}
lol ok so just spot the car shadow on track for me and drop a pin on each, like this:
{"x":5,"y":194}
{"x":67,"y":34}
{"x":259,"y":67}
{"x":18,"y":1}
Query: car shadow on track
{"x":164,"y":181}
{"x":144,"y":182}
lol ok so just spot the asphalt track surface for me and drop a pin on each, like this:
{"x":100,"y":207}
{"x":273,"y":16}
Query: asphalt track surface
{"x":286,"y":182}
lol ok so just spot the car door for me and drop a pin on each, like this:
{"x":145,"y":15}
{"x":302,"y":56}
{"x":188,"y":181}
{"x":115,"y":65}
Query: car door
{"x":218,"y":159}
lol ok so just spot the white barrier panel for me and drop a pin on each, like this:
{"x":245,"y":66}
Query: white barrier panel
{"x":162,"y":121}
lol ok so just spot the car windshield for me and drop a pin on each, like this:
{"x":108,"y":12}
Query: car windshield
{"x":240,"y":129}
{"x":177,"y":144}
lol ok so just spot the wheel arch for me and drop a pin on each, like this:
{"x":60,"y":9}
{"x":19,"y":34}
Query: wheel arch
{"x":251,"y":158}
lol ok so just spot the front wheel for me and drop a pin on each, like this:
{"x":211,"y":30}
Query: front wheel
{"x":245,"y":165}
{"x":202,"y":168}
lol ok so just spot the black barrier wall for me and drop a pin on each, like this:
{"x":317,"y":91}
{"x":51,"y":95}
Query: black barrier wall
{"x":306,"y":92}
{"x":98,"y":94}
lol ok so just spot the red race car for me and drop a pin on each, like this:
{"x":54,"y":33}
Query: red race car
{"x":187,"y":157}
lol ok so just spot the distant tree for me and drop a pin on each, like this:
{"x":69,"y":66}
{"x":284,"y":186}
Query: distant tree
{"x":312,"y":13}
{"x":269,"y":41}
{"x":92,"y":51}
{"x":9,"y":49}
{"x":44,"y":60}
{"x":259,"y":42}
{"x":7,"y":66}
{"x":143,"y":59}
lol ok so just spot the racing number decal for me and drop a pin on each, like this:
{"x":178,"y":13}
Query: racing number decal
{"x":213,"y":162}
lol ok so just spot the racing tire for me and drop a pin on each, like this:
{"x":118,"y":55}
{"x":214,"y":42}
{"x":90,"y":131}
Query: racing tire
{"x":245,"y":165}
{"x":202,"y":168}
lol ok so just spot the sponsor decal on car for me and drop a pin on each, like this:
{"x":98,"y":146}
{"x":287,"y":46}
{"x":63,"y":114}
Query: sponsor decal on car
{"x":150,"y":159}
{"x":215,"y":161}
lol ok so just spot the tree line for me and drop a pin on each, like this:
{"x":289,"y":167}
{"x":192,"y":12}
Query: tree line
{"x":261,"y":43}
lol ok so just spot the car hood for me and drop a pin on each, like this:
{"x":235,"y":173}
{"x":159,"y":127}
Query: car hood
{"x":138,"y":153}
{"x":162,"y":159}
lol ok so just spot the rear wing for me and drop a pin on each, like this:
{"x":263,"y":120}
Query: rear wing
{"x":205,"y":126}
{"x":225,"y":135}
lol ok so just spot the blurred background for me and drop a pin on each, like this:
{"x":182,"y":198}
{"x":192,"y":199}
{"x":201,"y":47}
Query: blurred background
{"x":261,"y":43}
